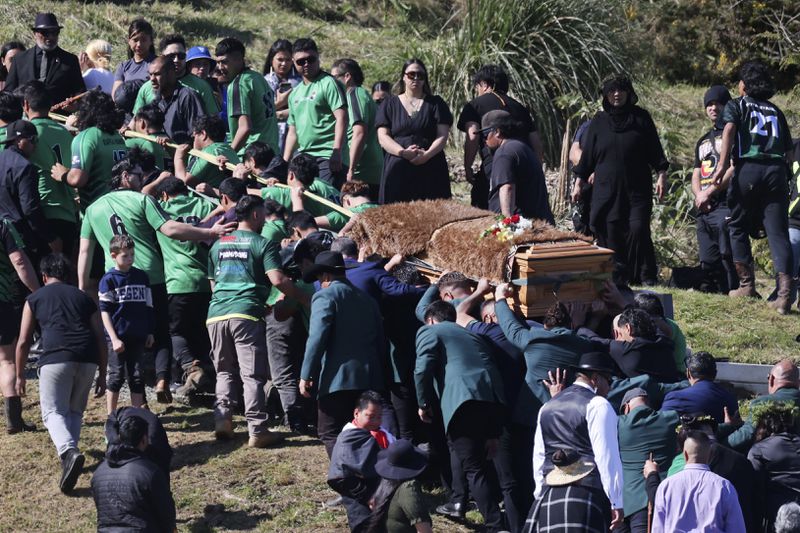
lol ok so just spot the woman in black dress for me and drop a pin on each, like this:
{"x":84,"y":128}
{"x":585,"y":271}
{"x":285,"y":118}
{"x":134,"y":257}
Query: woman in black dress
{"x":412,"y":129}
{"x":622,"y":149}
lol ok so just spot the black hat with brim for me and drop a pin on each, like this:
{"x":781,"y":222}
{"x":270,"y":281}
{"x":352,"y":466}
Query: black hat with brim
{"x":596,"y":362}
{"x":327,"y":261}
{"x":46,"y":21}
{"x":401,"y":461}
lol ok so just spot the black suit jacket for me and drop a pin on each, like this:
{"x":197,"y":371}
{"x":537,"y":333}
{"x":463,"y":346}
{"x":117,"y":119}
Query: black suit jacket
{"x":64,"y":77}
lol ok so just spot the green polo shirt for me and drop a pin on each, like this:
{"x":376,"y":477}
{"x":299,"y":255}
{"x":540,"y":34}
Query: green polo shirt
{"x":311,"y":107}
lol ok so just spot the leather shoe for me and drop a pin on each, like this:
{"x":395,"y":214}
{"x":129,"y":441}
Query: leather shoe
{"x":71,"y":465}
{"x":453,"y":510}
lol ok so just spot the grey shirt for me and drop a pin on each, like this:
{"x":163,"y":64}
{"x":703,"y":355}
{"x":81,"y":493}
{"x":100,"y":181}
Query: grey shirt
{"x":131,"y":70}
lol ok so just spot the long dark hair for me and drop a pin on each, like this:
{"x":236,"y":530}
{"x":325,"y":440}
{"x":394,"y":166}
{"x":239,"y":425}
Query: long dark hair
{"x":400,"y":86}
{"x":380,"y":508}
{"x":5,"y":49}
{"x":281,"y":45}
{"x":98,"y":109}
{"x":141,"y":26}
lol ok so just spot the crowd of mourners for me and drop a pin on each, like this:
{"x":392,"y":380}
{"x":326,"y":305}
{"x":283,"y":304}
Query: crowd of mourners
{"x":178,"y":227}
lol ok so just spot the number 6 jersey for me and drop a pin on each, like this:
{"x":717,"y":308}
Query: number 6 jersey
{"x":761,"y":129}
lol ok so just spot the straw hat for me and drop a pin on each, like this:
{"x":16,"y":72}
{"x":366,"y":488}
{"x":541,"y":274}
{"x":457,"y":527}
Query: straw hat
{"x":568,"y":468}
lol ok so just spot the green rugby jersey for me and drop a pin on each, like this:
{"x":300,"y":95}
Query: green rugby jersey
{"x":10,"y":242}
{"x":185,"y":262}
{"x":147,"y":94}
{"x":249,"y":94}
{"x":275,"y":230}
{"x":761,"y":129}
{"x":361,"y":109}
{"x":283,"y":195}
{"x":125,"y":212}
{"x":54,"y":146}
{"x":163,"y":161}
{"x":238,"y":263}
{"x":96,"y":152}
{"x":206,"y":172}
{"x":311,"y":107}
{"x":337,"y":220}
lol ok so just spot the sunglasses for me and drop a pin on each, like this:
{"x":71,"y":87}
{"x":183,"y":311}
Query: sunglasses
{"x":303,"y":61}
{"x":415,"y":75}
{"x":179,"y":55}
{"x":47,"y":32}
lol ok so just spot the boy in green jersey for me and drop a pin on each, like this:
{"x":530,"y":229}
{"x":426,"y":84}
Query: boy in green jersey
{"x":173,"y":46}
{"x":242,"y":267}
{"x":150,"y":121}
{"x":208,"y":134}
{"x":303,"y":170}
{"x":188,"y":290}
{"x":757,"y":133}
{"x":355,"y":197}
{"x":95,"y":150}
{"x":260,"y":161}
{"x":366,"y":155}
{"x":251,"y":102}
{"x":317,"y":115}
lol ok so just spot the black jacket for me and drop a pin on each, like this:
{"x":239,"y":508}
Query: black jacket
{"x":131,"y":494}
{"x":776,"y":461}
{"x":64,"y":77}
{"x":640,"y":356}
{"x":159,"y":451}
{"x":19,"y":198}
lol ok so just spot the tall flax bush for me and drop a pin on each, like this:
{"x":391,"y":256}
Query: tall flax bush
{"x":548,"y":47}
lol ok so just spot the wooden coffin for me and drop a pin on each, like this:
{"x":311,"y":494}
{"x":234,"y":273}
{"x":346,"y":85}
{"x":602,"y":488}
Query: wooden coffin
{"x":564,"y":271}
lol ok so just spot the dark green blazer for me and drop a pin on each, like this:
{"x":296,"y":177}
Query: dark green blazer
{"x":344,"y":350}
{"x":640,"y":432}
{"x":454,"y":366}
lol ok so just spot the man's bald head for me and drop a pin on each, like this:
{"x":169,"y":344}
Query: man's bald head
{"x":697,"y":448}
{"x":783,"y":374}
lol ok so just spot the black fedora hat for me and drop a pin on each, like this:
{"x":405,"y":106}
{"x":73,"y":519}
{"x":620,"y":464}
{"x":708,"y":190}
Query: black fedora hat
{"x":596,"y":362}
{"x":46,"y":21}
{"x":401,"y":461}
{"x":325,"y":262}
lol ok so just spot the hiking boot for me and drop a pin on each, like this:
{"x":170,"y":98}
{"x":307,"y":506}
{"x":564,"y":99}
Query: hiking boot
{"x":14,"y":421}
{"x":223,"y":429}
{"x":195,"y":377}
{"x":263,"y":440}
{"x":782,"y":303}
{"x":71,"y":465}
{"x":747,"y":282}
{"x":163,"y":394}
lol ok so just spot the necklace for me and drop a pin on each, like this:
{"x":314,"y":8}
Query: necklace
{"x":415,"y":104}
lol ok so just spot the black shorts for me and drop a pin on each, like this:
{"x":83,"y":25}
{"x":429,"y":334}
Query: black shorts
{"x":9,"y":325}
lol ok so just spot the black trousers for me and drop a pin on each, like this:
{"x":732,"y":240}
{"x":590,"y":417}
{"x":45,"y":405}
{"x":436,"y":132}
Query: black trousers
{"x":514,"y":464}
{"x":187,"y":328}
{"x":479,"y":195}
{"x":472,"y":425}
{"x":162,"y":348}
{"x":631,"y":241}
{"x":635,"y":523}
{"x":68,"y":233}
{"x":759,"y":195}
{"x":714,"y":246}
{"x":404,"y":401}
{"x":334,"y":411}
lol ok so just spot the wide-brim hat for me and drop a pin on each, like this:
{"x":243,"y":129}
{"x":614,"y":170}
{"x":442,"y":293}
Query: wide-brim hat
{"x":401,"y":461}
{"x":596,"y":362}
{"x":327,"y":261}
{"x":46,"y":21}
{"x":567,"y":468}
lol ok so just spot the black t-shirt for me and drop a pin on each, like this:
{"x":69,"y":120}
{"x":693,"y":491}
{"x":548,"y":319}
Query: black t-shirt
{"x":473,"y":112}
{"x":516,"y":162}
{"x":706,"y":158}
{"x":64,"y":314}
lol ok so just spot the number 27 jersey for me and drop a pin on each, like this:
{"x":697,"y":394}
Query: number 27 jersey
{"x":761,"y":129}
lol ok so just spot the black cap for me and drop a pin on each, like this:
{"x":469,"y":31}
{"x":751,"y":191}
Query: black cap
{"x":46,"y":21}
{"x":327,"y":261}
{"x":20,"y":129}
{"x":491,"y":119}
{"x":596,"y":362}
{"x":717,"y":93}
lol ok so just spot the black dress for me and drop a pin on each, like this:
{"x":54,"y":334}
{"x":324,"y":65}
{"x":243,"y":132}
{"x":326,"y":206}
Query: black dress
{"x":402,"y":181}
{"x":623,"y":154}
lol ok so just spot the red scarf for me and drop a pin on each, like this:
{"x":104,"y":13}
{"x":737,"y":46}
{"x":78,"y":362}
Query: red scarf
{"x":379,"y":435}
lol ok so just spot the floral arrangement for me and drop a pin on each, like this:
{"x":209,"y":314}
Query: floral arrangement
{"x":506,"y":228}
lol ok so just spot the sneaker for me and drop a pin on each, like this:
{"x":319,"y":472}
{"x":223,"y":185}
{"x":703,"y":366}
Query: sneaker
{"x":71,"y":465}
{"x":263,"y":440}
{"x":223,"y":429}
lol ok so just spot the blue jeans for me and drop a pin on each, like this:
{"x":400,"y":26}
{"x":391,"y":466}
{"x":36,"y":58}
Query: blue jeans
{"x":63,"y":392}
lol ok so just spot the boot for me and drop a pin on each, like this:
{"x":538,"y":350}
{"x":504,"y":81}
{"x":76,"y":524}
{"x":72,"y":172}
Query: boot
{"x":747,"y":282}
{"x":163,"y":394}
{"x":195,"y":378}
{"x":262,"y":440}
{"x":14,"y":421}
{"x":783,"y":303}
{"x":223,"y":429}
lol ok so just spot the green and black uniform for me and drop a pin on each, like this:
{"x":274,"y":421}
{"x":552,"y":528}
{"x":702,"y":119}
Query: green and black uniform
{"x":338,"y":220}
{"x":275,"y":230}
{"x":163,"y":161}
{"x":361,"y":109}
{"x":185,"y":264}
{"x":759,"y":190}
{"x":10,"y":242}
{"x":205,"y":172}
{"x":96,"y":152}
{"x":238,"y":263}
{"x":250,"y":95}
{"x":147,"y":94}
{"x":57,"y":198}
{"x":126,"y":212}
{"x":283,"y":195}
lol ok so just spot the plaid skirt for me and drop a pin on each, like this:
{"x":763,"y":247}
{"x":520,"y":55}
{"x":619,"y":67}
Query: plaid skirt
{"x":570,"y":509}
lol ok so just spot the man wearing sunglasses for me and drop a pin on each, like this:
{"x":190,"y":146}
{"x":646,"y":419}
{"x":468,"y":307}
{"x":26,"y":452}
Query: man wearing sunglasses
{"x":318,"y":116}
{"x":46,"y":62}
{"x":173,"y":47}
